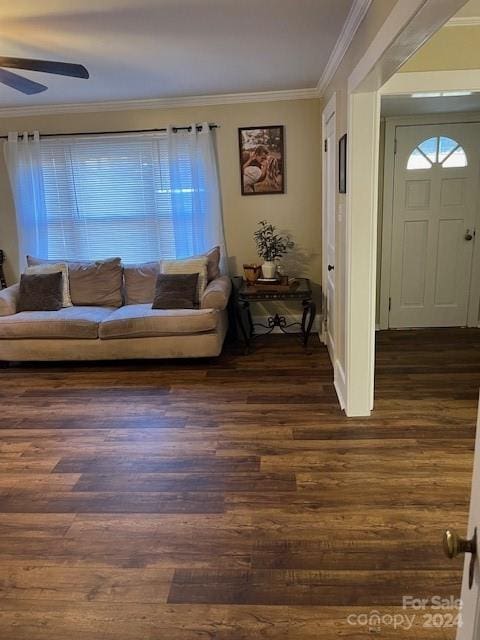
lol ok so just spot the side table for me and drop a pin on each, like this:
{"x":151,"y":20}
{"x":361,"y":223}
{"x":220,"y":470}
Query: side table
{"x":299,"y":289}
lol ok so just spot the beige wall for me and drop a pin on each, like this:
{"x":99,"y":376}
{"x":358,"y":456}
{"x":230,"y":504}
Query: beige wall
{"x":451,"y":49}
{"x":298,"y":211}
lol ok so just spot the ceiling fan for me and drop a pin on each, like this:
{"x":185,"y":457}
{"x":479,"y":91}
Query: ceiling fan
{"x":29,"y":87}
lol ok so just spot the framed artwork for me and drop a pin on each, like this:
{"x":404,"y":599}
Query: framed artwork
{"x":342,"y":164}
{"x":262,"y":160}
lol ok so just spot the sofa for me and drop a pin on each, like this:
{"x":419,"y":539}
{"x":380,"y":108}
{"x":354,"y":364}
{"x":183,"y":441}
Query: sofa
{"x":111,"y":317}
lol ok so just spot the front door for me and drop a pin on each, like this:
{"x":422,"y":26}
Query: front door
{"x":435,"y":203}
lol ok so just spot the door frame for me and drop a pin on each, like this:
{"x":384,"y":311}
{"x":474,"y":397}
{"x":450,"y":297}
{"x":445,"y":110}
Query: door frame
{"x":406,"y":29}
{"x":391,"y":123}
{"x":328,"y":113}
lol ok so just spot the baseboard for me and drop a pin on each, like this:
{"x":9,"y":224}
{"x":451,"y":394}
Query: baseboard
{"x":339,"y":383}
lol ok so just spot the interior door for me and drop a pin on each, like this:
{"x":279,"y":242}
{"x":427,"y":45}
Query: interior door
{"x":329,"y":232}
{"x":433,"y":232}
{"x":470,"y":612}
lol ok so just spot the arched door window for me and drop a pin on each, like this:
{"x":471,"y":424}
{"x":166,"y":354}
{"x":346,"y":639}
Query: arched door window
{"x":440,"y":150}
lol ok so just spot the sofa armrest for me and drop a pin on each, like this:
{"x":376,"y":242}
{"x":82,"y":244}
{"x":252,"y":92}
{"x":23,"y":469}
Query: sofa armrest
{"x":8,"y":300}
{"x":217,"y":294}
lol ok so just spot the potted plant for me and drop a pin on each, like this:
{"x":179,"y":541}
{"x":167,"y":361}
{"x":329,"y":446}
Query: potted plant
{"x":270,"y":246}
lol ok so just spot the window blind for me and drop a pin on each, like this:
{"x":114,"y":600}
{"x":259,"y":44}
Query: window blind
{"x":123,"y":196}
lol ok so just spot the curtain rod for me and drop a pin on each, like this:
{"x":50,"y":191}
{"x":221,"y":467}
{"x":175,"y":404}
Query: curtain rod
{"x":107,"y":133}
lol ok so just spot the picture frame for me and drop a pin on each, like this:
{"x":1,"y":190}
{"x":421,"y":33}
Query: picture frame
{"x":262,"y":160}
{"x":342,"y":164}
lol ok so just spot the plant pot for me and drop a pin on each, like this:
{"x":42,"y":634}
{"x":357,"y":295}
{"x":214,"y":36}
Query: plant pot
{"x":269,"y":269}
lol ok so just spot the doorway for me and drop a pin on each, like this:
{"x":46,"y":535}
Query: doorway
{"x":407,"y":28}
{"x":430,"y":215}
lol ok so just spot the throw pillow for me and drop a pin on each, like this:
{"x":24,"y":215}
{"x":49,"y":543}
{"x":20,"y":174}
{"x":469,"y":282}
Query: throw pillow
{"x":213,"y":263}
{"x":54,"y":268}
{"x":189,"y":265}
{"x":93,"y":283}
{"x":139,"y":280}
{"x":176,"y":291}
{"x":40,"y":292}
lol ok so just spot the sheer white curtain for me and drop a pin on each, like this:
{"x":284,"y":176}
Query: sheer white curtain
{"x":195,"y":194}
{"x":23,"y":159}
{"x":138,"y":196}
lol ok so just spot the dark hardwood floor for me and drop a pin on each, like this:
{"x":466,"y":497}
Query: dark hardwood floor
{"x":230,"y":499}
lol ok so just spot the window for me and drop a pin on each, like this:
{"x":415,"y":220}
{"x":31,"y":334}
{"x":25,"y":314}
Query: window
{"x":138,"y":196}
{"x":440,"y":150}
{"x":109,"y":196}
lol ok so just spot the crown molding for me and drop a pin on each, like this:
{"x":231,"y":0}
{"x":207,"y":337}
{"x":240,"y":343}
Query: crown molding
{"x":349,"y":29}
{"x":467,"y":21}
{"x":161,"y":103}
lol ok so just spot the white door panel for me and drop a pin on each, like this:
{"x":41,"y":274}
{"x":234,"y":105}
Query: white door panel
{"x":414,"y":263}
{"x":449,"y":268}
{"x":434,"y":205}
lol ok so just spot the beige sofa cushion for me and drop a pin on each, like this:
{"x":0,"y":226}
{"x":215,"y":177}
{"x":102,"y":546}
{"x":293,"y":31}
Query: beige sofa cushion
{"x":92,"y":283}
{"x":141,"y":321}
{"x":69,"y":322}
{"x":140,"y":282}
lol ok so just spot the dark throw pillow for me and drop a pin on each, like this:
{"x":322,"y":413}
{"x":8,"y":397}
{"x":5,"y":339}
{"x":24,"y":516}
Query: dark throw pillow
{"x":41,"y":292}
{"x":175,"y":291}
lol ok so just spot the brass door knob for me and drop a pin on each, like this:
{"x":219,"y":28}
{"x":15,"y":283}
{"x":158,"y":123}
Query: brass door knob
{"x":454,"y":545}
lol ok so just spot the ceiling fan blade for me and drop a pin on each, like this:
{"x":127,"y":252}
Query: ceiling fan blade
{"x":47,"y":66}
{"x":20,"y":83}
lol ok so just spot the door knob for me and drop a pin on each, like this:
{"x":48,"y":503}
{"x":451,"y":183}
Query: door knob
{"x":468,"y":236}
{"x":454,"y":545}
{"x":330,"y":267}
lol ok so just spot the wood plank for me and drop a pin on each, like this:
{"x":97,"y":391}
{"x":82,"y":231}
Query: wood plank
{"x":316,"y":588}
{"x":110,"y":502}
{"x":77,"y":584}
{"x":106,"y":621}
{"x":25,"y":525}
{"x":147,"y":463}
{"x":172,"y":482}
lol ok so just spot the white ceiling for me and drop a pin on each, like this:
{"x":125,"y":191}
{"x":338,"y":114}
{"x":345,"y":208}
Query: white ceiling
{"x":407,"y":106}
{"x":142,"y":49}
